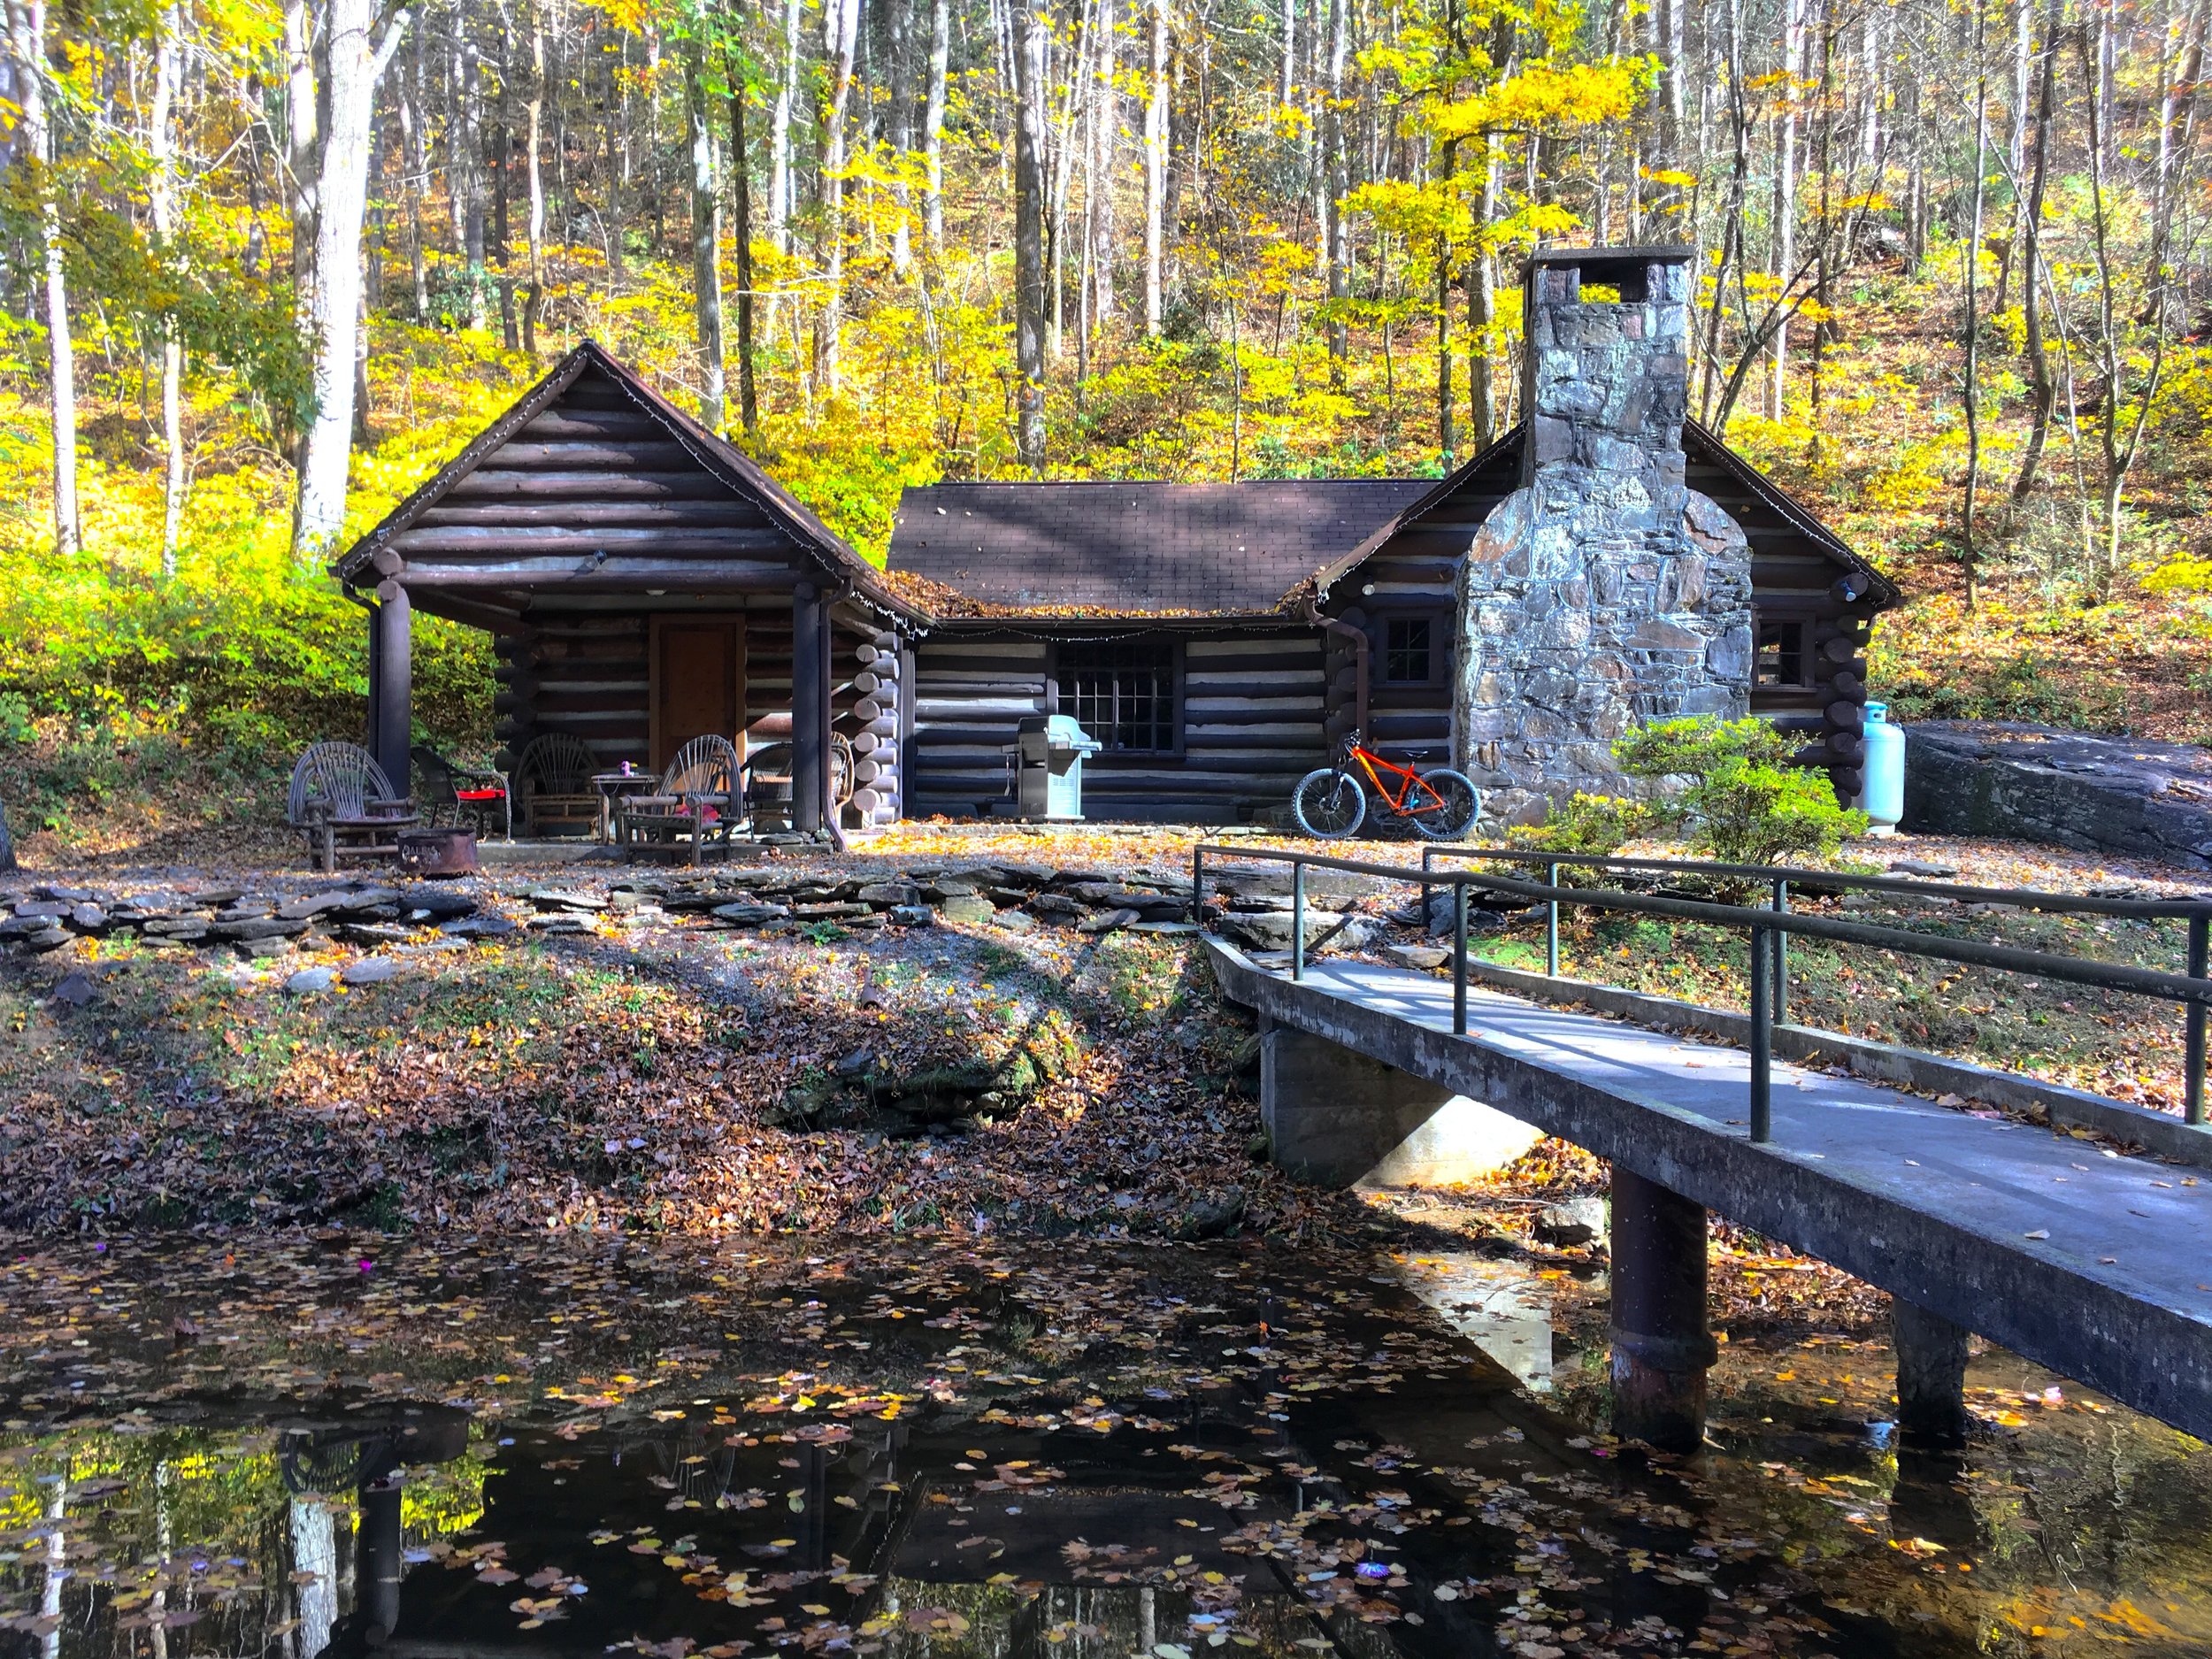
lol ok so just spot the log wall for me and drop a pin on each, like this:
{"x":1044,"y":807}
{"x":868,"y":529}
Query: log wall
{"x":868,"y":698}
{"x":1251,"y":714}
{"x":593,"y":475}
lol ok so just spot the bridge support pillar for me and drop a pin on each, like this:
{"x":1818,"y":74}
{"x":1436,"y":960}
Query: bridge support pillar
{"x":1338,"y":1118}
{"x":1931,"y":1376}
{"x":1661,"y":1347}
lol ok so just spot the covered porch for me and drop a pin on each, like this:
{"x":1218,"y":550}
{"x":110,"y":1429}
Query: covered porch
{"x":645,"y":584}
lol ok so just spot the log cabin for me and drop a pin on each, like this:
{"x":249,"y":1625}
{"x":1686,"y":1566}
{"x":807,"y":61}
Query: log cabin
{"x":1605,"y":561}
{"x":644,"y":582}
{"x":1220,"y":639}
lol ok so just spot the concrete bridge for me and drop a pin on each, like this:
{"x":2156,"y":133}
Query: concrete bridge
{"x":2091,"y":1262}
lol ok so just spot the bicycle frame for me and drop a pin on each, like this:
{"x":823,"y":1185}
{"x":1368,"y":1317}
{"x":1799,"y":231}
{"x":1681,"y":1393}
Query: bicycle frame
{"x":1414,"y":795}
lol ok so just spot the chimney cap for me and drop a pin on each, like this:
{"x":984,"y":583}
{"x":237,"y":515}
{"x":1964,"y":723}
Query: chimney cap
{"x":1656,"y":253}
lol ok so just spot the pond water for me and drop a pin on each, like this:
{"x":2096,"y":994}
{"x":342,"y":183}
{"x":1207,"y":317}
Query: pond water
{"x":962,"y":1448}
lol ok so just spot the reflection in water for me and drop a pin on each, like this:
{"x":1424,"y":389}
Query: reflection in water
{"x":1497,"y":1305}
{"x":955,"y":1451}
{"x":315,"y":1572}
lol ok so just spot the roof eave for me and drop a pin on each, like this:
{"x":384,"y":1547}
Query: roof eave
{"x":714,"y":455}
{"x":1882,"y":595}
{"x":348,"y":567}
{"x":1329,"y":575}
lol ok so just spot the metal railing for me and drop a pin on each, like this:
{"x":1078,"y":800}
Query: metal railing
{"x":1767,"y":927}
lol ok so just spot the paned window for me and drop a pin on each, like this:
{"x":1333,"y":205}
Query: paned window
{"x":1785,"y":654}
{"x":1409,"y":650}
{"x":1123,"y":693}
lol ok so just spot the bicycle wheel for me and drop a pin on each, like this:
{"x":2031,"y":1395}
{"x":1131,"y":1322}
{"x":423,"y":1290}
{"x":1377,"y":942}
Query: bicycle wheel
{"x":1452,"y":810}
{"x":1328,"y":805}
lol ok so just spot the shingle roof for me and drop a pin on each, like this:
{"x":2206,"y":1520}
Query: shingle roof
{"x":1137,"y":548}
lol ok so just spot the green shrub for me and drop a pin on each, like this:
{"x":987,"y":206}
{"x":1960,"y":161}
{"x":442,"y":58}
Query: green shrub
{"x":1597,"y":823}
{"x":1735,"y":792}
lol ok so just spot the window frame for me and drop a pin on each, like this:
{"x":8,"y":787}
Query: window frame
{"x":1439,"y":647}
{"x":1178,"y":719}
{"x":1807,"y":668}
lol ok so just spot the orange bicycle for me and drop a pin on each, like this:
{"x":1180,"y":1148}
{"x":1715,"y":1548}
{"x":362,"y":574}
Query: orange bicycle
{"x":1439,"y":805}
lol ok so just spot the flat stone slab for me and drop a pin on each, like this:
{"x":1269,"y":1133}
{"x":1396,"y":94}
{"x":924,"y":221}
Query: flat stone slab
{"x":2108,"y":795}
{"x":2085,"y":1260}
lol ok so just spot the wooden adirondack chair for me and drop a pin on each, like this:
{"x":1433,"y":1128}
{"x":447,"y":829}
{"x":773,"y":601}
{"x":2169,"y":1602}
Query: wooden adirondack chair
{"x":553,"y":787}
{"x":697,"y":805}
{"x":345,"y":806}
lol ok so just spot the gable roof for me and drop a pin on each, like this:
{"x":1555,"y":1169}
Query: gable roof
{"x":1133,"y":549}
{"x":1700,"y":445}
{"x":715,"y":455}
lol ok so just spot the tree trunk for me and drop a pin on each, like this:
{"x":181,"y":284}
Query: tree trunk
{"x":899,"y":123}
{"x":1447,"y":399}
{"x":1288,"y":78}
{"x":841,"y":26}
{"x":1824,"y":242}
{"x":301,"y":140}
{"x":2095,"y":44}
{"x":468,"y":176}
{"x":779,"y":194}
{"x":618,"y":186}
{"x":2179,"y":101}
{"x":1668,"y":28}
{"x":7,"y":842}
{"x":933,"y":120}
{"x":656,"y":205}
{"x":2023,"y":37}
{"x":1732,"y":246}
{"x":2042,"y":391}
{"x":26,"y":25}
{"x":1972,"y":264}
{"x":1065,"y":150}
{"x":1156,"y":123}
{"x":1098,"y":194}
{"x":161,"y":187}
{"x":534,"y":109}
{"x":415,"y":150}
{"x":706,"y":239}
{"x":1785,"y":249}
{"x":500,"y":243}
{"x":356,"y":61}
{"x":1482,"y":307}
{"x":1337,"y":231}
{"x":742,"y":203}
{"x":1029,"y":233}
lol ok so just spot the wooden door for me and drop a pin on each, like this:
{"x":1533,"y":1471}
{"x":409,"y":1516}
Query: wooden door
{"x":698,"y":682}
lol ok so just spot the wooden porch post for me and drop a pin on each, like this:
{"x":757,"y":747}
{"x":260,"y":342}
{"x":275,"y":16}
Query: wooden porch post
{"x":810,"y":708}
{"x":392,"y":681}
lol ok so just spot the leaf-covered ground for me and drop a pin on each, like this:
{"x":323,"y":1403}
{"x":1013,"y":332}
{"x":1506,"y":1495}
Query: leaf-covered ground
{"x":633,"y":1076}
{"x":622,"y":1079}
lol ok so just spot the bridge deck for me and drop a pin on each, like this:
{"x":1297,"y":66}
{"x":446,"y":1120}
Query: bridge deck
{"x":2097,"y":1265}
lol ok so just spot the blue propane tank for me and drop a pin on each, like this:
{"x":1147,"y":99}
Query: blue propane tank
{"x":1882,"y":798}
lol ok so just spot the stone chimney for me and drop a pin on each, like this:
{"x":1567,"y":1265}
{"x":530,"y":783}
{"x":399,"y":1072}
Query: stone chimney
{"x":1603,"y":593}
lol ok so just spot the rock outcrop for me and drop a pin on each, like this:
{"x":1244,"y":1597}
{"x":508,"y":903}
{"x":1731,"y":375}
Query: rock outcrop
{"x":2107,"y":795}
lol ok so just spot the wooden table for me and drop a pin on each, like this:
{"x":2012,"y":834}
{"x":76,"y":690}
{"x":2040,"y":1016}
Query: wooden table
{"x":613,"y":786}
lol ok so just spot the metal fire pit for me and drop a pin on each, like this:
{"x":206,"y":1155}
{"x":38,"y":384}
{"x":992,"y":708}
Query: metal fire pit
{"x":438,"y":852}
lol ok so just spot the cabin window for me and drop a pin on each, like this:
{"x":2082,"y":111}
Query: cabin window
{"x":1123,"y":693}
{"x":1785,"y":654}
{"x":1408,"y":656}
